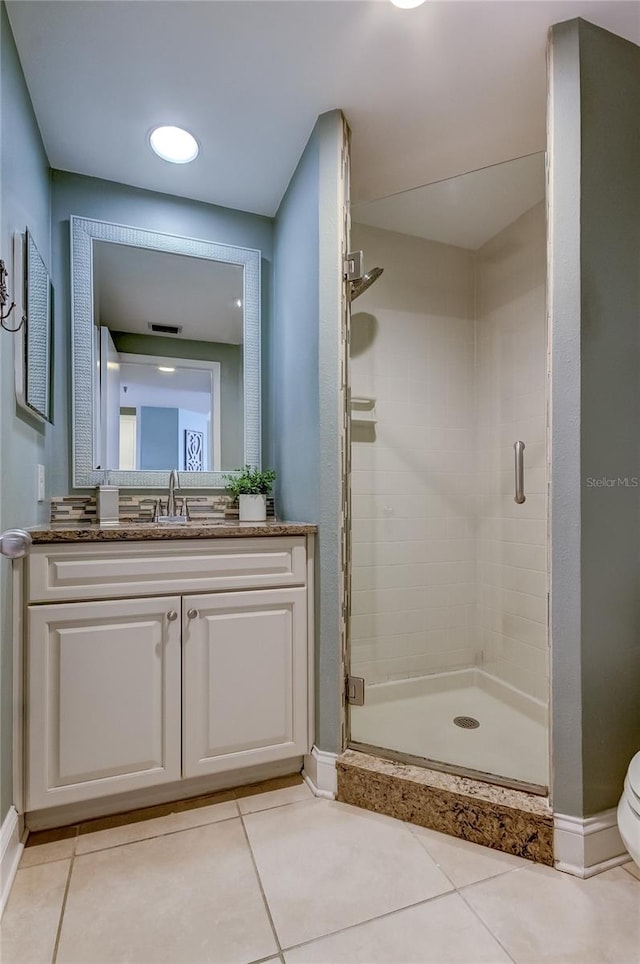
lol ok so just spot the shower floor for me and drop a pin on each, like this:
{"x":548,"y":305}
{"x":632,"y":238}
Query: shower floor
{"x":415,"y":716}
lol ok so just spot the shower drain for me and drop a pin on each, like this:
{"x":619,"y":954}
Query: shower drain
{"x":466,"y":722}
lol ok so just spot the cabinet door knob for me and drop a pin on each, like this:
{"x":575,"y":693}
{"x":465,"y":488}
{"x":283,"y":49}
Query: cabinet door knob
{"x":172,"y":615}
{"x":192,"y":613}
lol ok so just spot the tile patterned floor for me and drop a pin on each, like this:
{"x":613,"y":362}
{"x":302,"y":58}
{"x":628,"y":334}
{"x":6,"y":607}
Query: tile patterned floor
{"x":278,"y":875}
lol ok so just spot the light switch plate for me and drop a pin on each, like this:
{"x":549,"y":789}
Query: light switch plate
{"x":40,"y":482}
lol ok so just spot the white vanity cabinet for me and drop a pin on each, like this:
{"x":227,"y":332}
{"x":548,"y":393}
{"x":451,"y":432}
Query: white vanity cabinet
{"x":149,"y":663}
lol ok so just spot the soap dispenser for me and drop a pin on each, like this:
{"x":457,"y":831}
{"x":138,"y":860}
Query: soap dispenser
{"x":107,"y":503}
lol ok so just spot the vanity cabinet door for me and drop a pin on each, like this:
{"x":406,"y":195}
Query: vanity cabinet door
{"x":103,"y":710}
{"x":244,"y":679}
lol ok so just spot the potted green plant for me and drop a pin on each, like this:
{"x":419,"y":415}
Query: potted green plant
{"x":250,"y":488}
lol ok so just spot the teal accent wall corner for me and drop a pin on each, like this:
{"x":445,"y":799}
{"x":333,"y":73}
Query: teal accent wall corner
{"x":25,"y":201}
{"x":594,"y":133}
{"x":302,"y":416}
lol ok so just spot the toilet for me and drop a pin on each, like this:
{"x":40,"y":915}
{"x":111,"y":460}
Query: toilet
{"x":629,"y":810}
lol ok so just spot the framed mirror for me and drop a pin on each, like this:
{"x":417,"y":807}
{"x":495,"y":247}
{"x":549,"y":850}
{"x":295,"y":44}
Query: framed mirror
{"x":166,"y":357}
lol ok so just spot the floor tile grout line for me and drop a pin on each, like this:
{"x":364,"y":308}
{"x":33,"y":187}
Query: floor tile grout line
{"x":155,"y":836}
{"x":278,"y":806}
{"x":45,"y":863}
{"x":412,"y":828}
{"x":165,"y":833}
{"x":500,"y":873}
{"x":370,"y":920}
{"x":264,"y":896}
{"x":63,"y":907}
{"x":454,"y":889}
{"x":399,"y":910}
{"x":418,"y":840}
{"x":485,"y":925}
{"x":503,"y":873}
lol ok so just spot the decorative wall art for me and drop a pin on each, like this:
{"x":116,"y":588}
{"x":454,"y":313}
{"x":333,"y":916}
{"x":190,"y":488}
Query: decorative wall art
{"x":33,"y":346}
{"x":193,"y":450}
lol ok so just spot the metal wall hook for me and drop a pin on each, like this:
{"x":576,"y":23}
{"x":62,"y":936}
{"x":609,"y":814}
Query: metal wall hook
{"x":4,"y":297}
{"x":15,"y":543}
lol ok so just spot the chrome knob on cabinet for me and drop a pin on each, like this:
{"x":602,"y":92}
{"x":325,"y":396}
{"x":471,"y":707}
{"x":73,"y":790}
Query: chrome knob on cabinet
{"x":192,"y":613}
{"x":172,"y":615}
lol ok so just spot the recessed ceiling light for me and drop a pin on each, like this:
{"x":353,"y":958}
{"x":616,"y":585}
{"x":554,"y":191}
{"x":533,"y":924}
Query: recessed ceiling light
{"x":407,"y":4}
{"x":161,"y":368}
{"x":174,"y":144}
{"x":238,"y":302}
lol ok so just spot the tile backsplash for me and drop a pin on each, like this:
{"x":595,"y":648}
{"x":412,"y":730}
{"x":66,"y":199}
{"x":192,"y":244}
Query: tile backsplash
{"x":140,"y":508}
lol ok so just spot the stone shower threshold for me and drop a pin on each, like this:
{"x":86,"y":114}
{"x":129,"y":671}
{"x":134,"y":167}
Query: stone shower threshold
{"x":512,"y":821}
{"x":417,"y":761}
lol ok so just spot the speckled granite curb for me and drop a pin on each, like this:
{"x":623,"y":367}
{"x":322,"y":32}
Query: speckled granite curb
{"x":509,"y":820}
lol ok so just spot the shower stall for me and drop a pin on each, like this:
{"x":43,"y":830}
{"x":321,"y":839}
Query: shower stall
{"x":448,"y":397}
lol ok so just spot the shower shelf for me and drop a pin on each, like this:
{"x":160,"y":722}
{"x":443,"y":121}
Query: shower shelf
{"x":363,"y":410}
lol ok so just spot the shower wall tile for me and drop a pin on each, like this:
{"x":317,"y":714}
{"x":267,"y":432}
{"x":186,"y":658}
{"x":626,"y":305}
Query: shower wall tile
{"x":510,"y":577}
{"x":413,"y":546}
{"x":399,"y":667}
{"x":513,"y":554}
{"x":447,"y":570}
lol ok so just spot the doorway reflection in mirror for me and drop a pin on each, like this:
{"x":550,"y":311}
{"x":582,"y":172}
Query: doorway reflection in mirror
{"x":171,"y":333}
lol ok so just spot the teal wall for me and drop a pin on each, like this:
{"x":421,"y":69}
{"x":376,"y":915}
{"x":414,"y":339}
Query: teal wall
{"x":595,"y":312}
{"x":231,"y":382}
{"x":25,"y":197}
{"x":292,"y":385}
{"x":88,"y":197}
{"x":302,"y":415}
{"x":158,"y":437}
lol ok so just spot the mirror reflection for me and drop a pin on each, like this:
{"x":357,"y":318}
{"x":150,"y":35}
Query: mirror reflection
{"x":169,"y":349}
{"x":165,"y":301}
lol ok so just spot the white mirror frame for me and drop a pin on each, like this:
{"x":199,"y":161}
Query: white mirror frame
{"x":83,"y":233}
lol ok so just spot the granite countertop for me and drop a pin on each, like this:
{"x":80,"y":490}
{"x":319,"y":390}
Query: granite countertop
{"x":152,"y":531}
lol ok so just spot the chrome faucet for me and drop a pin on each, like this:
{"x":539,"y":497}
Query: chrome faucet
{"x":174,"y":483}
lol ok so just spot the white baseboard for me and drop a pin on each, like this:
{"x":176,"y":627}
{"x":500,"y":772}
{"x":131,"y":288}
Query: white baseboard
{"x":589,"y":846}
{"x":320,"y":774}
{"x":11,"y":847}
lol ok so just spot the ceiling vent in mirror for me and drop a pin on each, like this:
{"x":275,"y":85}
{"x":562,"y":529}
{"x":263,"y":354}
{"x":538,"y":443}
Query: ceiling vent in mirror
{"x":165,"y":329}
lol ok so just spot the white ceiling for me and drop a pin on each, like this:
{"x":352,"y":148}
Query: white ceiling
{"x":136,"y":287}
{"x":466,"y":210}
{"x":448,"y":87}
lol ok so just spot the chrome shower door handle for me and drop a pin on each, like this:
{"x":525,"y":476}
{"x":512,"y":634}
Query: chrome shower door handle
{"x":519,"y":497}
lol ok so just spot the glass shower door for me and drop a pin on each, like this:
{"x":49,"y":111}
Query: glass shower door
{"x":449,"y":572}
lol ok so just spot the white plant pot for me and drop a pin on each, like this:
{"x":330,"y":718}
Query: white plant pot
{"x":253,"y":508}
